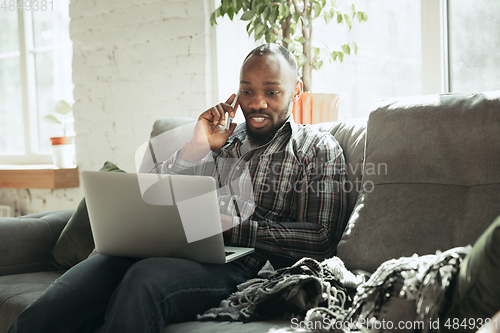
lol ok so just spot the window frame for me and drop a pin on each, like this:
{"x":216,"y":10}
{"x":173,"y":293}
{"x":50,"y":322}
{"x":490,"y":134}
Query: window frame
{"x":435,"y":60}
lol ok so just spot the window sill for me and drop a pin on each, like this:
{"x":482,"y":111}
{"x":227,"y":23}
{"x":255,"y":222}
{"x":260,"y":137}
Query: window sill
{"x":46,"y":176}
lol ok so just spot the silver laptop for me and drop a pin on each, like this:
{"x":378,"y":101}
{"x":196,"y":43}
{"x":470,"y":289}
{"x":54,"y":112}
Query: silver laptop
{"x":148,"y":215}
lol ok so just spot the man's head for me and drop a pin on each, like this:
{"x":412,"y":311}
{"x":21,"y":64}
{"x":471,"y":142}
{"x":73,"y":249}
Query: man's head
{"x":268,"y":87}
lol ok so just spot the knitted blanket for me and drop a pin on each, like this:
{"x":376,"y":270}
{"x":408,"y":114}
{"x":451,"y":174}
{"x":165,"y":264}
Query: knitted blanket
{"x":289,"y":292}
{"x":332,"y":299}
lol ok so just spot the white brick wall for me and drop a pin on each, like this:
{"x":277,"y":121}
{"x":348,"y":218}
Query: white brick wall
{"x":133,"y":62}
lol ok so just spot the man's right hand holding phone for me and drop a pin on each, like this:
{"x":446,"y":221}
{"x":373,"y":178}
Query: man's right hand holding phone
{"x":209,"y":133}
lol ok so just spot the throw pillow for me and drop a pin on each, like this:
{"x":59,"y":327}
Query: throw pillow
{"x":76,"y":241}
{"x":476,"y":296}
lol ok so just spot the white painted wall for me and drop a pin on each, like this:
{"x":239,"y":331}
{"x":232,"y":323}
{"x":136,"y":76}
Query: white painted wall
{"x":133,"y":62}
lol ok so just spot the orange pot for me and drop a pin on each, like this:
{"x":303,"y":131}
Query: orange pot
{"x":62,"y":140}
{"x":313,"y":108}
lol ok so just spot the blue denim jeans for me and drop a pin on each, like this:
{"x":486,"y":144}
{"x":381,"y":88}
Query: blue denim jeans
{"x":129,"y":295}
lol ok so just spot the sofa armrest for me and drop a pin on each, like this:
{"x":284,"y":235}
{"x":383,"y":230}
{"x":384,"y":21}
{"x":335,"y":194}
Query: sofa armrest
{"x":26,"y":242}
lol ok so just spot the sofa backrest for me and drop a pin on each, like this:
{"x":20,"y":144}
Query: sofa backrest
{"x":431,"y":178}
{"x":350,"y":134}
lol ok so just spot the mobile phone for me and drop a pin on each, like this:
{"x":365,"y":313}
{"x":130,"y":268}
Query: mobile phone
{"x":230,"y":119}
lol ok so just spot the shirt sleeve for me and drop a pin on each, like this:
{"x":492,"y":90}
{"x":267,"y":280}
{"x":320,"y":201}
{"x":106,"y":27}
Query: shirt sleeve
{"x":178,"y":166}
{"x":319,"y":200}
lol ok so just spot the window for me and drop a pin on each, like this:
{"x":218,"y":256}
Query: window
{"x":35,"y":73}
{"x":474,"y":45}
{"x":406,"y":47}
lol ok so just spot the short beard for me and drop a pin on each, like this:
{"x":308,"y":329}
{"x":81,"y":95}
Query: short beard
{"x":258,"y":139}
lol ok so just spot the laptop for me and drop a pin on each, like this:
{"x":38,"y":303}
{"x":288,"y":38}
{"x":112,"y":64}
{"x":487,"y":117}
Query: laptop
{"x":150,"y":215}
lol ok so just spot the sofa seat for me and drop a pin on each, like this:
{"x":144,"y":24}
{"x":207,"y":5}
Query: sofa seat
{"x":17,"y":291}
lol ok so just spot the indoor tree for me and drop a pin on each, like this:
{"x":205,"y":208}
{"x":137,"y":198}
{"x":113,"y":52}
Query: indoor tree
{"x":290,"y":23}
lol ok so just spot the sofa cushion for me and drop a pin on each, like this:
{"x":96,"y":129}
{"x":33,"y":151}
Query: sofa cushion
{"x":26,"y":241}
{"x":351,"y":135}
{"x":76,"y":241}
{"x":18,"y":291}
{"x":430,"y":181}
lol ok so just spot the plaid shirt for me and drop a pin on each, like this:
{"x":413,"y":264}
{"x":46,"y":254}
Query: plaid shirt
{"x":285,"y":197}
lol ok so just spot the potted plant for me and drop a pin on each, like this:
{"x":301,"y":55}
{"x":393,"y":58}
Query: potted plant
{"x":63,"y":147}
{"x":290,"y":23}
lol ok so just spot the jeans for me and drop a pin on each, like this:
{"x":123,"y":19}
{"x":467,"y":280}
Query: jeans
{"x":129,"y":295}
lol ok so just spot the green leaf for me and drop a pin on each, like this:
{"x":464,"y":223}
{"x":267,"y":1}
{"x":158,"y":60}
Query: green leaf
{"x":248,"y":15}
{"x":230,"y":13}
{"x":249,"y":25}
{"x":282,"y":9}
{"x":274,"y":14}
{"x":259,"y":31}
{"x":317,"y":9}
{"x":360,"y":16}
{"x":339,"y":18}
{"x":295,"y":17}
{"x":346,"y":49}
{"x":301,"y":39}
{"x":334,"y":55}
{"x":365,"y":16}
{"x":288,"y":40}
{"x":316,"y":51}
{"x":262,"y":8}
{"x":51,"y":119}
{"x":327,"y":16}
{"x":213,"y":20}
{"x":355,"y":46}
{"x":62,"y":107}
{"x":341,"y":56}
{"x":225,"y":5}
{"x":267,"y":13}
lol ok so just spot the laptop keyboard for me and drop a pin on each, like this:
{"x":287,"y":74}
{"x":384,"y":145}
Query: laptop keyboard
{"x":228,"y":253}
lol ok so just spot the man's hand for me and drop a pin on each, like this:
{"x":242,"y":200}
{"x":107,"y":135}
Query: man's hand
{"x":93,"y":253}
{"x":227,"y":225}
{"x":207,"y":134}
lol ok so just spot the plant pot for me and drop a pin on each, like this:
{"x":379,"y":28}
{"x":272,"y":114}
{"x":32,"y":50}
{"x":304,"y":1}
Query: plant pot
{"x":63,"y":152}
{"x":314,"y":108}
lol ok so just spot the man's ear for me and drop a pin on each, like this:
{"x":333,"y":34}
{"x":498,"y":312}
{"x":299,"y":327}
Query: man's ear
{"x":297,"y":91}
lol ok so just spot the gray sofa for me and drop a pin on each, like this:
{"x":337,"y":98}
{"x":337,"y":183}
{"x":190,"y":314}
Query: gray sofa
{"x":423,"y":174}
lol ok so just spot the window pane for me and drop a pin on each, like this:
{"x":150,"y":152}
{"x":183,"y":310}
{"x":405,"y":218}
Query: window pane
{"x":52,"y":67}
{"x":51,"y":27}
{"x":388,"y":63}
{"x":389,"y":60}
{"x":9,"y":36}
{"x":11,"y":111}
{"x":45,"y":98}
{"x":474,"y":45}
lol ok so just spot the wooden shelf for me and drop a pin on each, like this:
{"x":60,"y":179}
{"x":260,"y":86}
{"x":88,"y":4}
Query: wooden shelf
{"x":38,"y":176}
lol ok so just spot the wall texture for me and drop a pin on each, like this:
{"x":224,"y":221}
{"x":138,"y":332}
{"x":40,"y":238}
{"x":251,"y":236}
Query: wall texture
{"x":133,"y":62}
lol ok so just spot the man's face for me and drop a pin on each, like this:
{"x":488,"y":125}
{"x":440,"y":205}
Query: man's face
{"x":266,"y":92}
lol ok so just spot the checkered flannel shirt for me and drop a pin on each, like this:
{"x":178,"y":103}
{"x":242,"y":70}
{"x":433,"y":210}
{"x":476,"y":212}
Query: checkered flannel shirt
{"x":285,"y":197}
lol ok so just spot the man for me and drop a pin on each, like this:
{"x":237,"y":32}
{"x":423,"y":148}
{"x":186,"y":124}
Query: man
{"x":297,"y":174}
